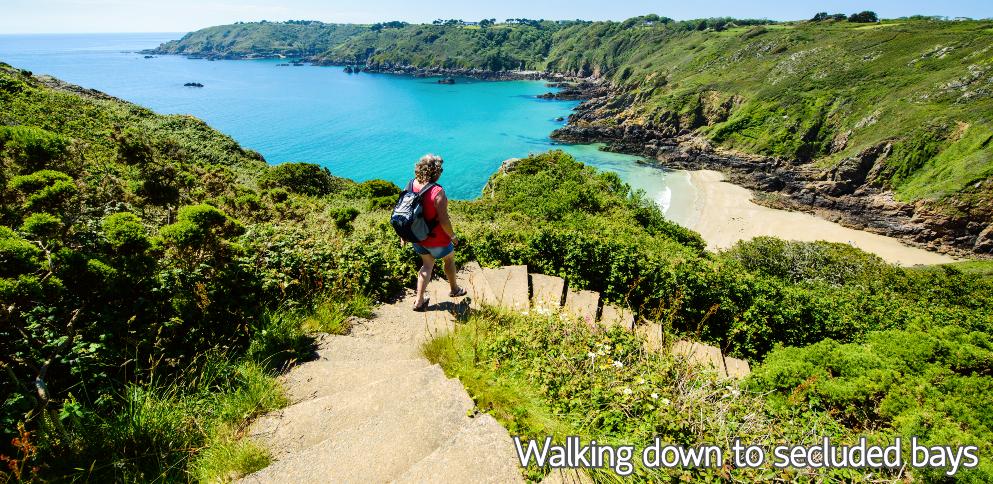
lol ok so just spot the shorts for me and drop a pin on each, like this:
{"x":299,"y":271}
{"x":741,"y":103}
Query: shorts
{"x":436,"y":252}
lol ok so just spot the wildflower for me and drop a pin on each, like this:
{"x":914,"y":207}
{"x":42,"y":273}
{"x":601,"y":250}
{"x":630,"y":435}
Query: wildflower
{"x":618,"y":364}
{"x":590,"y":355}
{"x":665,"y":401}
{"x":655,"y":396}
{"x":628,"y":391}
{"x":641,"y":381}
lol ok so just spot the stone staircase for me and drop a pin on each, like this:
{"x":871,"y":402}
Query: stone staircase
{"x":370,"y":408}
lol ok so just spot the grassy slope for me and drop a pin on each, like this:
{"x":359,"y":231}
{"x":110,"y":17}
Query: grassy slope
{"x":793,"y":89}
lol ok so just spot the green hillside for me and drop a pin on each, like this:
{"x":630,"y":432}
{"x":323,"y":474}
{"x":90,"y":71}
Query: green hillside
{"x":262,"y":39}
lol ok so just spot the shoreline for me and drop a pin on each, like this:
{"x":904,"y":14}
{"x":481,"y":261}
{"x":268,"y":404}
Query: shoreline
{"x":715,"y":233}
{"x":726,"y":213}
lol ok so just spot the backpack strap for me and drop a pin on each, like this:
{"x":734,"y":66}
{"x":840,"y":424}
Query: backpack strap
{"x":424,"y":189}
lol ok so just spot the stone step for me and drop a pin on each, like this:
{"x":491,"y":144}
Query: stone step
{"x":582,"y":304}
{"x":701,"y":354}
{"x":651,"y":333}
{"x":323,"y":377}
{"x":312,"y":421}
{"x":736,"y":368}
{"x":380,"y":448}
{"x":479,"y":288}
{"x":613,"y":315}
{"x":510,"y":286}
{"x":353,"y":348}
{"x":546,"y":292}
{"x":481,"y":452}
{"x":398,"y":323}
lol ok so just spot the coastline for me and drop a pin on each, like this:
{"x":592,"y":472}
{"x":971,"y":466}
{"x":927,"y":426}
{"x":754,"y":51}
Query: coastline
{"x":726,"y":213}
{"x":846,"y":194}
{"x":862,"y":212}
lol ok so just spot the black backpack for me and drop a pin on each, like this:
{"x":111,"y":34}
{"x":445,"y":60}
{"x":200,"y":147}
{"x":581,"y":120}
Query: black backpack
{"x":408,"y":214}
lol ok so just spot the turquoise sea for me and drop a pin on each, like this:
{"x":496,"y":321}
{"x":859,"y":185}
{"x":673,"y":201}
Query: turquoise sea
{"x":360,"y":126}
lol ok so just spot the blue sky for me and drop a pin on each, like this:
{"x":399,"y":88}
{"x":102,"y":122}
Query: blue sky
{"x":51,"y":16}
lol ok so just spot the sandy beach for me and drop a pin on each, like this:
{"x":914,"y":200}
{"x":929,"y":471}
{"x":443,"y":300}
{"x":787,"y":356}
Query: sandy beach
{"x":726,"y":214}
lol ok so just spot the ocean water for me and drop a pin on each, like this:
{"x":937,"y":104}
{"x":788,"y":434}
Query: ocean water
{"x":360,"y":126}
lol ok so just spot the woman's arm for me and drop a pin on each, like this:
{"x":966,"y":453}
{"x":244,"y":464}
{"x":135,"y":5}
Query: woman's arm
{"x":441,"y":207}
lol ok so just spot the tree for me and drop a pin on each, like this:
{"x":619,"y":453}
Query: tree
{"x":864,"y":17}
{"x":820,"y":17}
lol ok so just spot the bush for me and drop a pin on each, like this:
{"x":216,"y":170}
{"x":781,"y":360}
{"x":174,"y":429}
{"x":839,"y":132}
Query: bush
{"x":553,"y":376}
{"x":343,"y":218}
{"x":45,"y":190}
{"x":379,"y":188}
{"x":302,"y":178}
{"x":791,"y":261}
{"x":32,"y":148}
{"x":202,"y":232}
{"x":42,"y":225}
{"x":125,"y":233}
{"x":916,"y":382}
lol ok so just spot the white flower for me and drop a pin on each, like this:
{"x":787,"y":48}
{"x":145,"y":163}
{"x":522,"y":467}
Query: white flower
{"x":618,"y":364}
{"x":655,"y":396}
{"x":665,"y":401}
{"x":735,"y":393}
{"x":628,"y":391}
{"x":641,"y":381}
{"x":591,"y":355}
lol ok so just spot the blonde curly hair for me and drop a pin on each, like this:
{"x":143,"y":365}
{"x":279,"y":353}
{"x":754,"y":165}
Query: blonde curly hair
{"x":428,"y":169}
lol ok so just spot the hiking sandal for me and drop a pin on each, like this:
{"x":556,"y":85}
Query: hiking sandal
{"x":457,"y":293}
{"x":422,"y":306}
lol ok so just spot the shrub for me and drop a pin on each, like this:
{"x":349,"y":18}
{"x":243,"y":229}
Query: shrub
{"x":302,"y":178}
{"x":382,"y":203}
{"x":32,"y":148}
{"x":379,"y":188}
{"x":45,"y":190}
{"x":125,"y":233}
{"x":344,"y":217}
{"x":203,"y":229}
{"x":42,"y":225}
{"x":792,"y":261}
{"x":916,"y":382}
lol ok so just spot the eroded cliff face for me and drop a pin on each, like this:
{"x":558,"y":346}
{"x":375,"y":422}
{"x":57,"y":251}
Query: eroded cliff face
{"x":853,"y":192}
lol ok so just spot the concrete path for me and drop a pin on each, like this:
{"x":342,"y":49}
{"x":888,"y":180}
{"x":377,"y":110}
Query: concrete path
{"x":371,"y":408}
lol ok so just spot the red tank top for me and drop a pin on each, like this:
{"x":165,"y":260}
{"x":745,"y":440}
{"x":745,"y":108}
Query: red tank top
{"x":438,"y":237}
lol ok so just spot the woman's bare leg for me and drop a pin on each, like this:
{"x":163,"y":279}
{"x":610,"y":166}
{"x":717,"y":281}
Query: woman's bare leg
{"x":423,"y":277}
{"x":449,"y":261}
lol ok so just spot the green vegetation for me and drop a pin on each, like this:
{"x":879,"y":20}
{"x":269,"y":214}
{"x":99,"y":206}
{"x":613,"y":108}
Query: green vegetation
{"x":155,"y":275}
{"x":262,"y":39}
{"x":550,"y":376}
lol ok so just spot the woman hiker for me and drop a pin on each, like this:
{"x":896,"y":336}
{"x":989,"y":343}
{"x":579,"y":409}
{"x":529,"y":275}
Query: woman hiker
{"x":441,"y":243}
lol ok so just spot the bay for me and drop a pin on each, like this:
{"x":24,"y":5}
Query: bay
{"x":361,"y":126}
